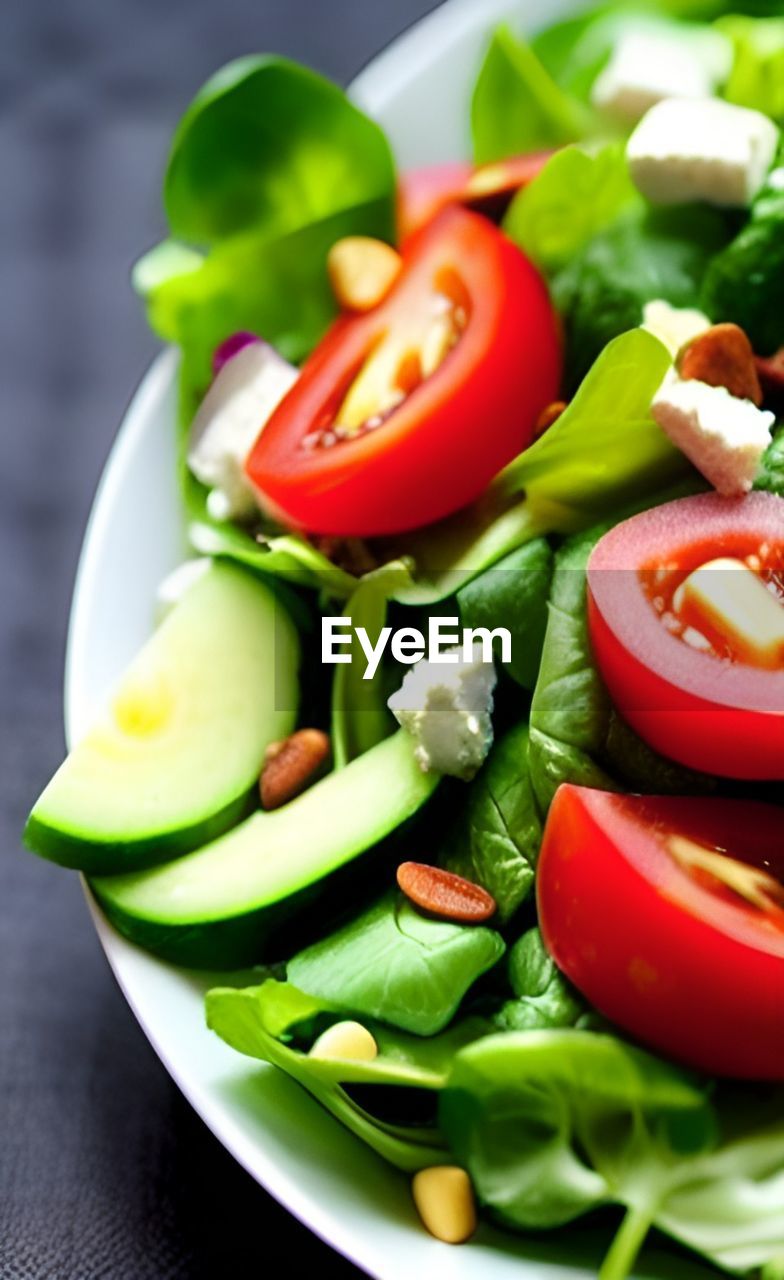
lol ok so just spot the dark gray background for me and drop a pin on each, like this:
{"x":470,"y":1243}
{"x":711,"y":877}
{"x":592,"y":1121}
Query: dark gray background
{"x":104,"y":1170}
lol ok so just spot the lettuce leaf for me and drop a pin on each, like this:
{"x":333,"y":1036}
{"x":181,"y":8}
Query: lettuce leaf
{"x":757,"y":76}
{"x":576,"y":195}
{"x":360,"y":717}
{"x":252,"y":1019}
{"x":517,"y":106}
{"x":275,"y":287}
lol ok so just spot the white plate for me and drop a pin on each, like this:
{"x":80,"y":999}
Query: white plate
{"x":419,"y":90}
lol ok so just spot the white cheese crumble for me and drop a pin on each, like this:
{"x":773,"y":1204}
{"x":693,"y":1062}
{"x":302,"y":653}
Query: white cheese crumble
{"x":446,"y":708}
{"x":722,"y":435}
{"x":674,"y":326}
{"x":703,"y":149}
{"x":647,"y":66}
{"x":241,"y":400}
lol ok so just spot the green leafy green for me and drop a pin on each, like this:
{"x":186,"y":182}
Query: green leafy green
{"x":517,"y":106}
{"x":605,"y":449}
{"x":576,"y":50}
{"x":251,"y":1019}
{"x":269,"y":147}
{"x":360,"y":717}
{"x":270,"y":165}
{"x":745,"y":282}
{"x":576,"y":195}
{"x":645,"y":254}
{"x":553,"y":1123}
{"x":286,"y":556}
{"x":494,"y":838}
{"x":277,"y":288}
{"x":397,"y":966}
{"x":543,"y":997}
{"x":757,"y":76}
{"x":513,"y":592}
{"x":570,"y":710}
{"x":771,"y":472}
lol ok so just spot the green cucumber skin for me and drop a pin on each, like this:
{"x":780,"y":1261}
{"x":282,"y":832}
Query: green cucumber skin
{"x":267,"y":933}
{"x":219,"y":944}
{"x":117,"y":857}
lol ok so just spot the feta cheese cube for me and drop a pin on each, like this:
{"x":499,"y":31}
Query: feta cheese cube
{"x":446,"y":708}
{"x":703,"y":149}
{"x":674,"y":326}
{"x":723,"y":436}
{"x":241,"y":400}
{"x":647,"y":66}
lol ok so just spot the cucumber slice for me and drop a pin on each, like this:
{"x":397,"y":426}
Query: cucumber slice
{"x":223,"y":904}
{"x":172,"y":760}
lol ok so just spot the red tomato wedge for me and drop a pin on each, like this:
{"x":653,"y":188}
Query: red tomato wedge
{"x":423,"y":193}
{"x":668,"y":915}
{"x":704,"y":708}
{"x":488,"y":188}
{"x":404,"y":413}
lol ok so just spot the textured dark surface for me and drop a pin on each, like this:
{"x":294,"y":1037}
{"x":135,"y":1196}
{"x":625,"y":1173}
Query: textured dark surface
{"x":104,"y":1170}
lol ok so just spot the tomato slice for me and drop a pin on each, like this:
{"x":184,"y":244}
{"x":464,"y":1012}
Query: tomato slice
{"x":404,"y":414}
{"x":701,"y":706}
{"x":668,"y":915}
{"x":488,"y":188}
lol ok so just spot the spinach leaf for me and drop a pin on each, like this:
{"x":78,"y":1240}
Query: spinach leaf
{"x":250,"y":1020}
{"x":551,"y":1124}
{"x":494,"y":840}
{"x":576,"y":735}
{"x":513,"y":593}
{"x":576,"y":195}
{"x":757,"y":76}
{"x":570,"y":709}
{"x":516,"y":106}
{"x":603,"y":452}
{"x":645,"y":254}
{"x":726,"y":1203}
{"x":745,"y":283}
{"x":270,"y":147}
{"x":543,"y":997}
{"x":360,"y":717}
{"x":397,"y":966}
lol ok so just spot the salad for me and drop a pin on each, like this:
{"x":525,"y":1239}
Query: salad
{"x":463,"y":727}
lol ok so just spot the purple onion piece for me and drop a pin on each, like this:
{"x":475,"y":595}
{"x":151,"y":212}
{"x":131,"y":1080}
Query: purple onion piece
{"x":230,"y":347}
